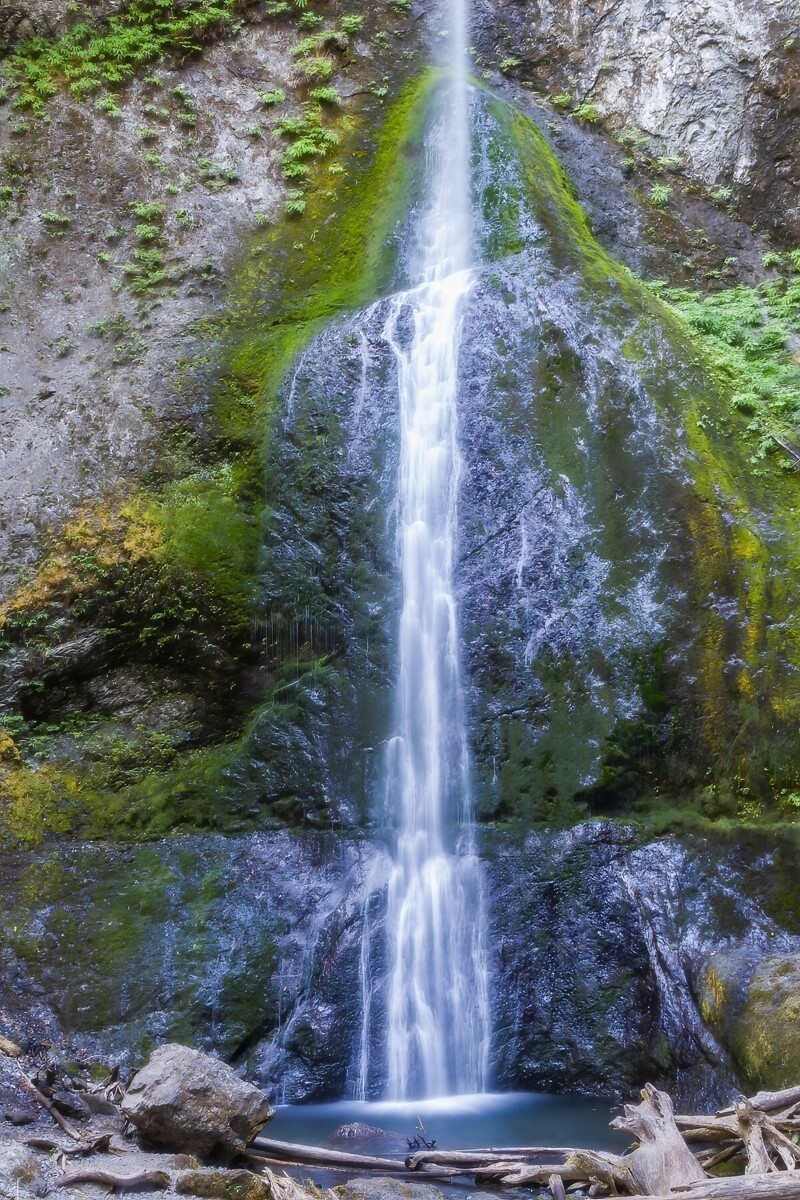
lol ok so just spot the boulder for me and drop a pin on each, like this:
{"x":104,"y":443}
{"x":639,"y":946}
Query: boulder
{"x":213,"y":1184}
{"x":20,"y":1178}
{"x":194,"y":1103}
{"x":384,"y":1188}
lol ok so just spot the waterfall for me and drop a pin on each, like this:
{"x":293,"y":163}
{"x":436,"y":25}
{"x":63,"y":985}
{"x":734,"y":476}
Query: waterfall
{"x":437,"y":997}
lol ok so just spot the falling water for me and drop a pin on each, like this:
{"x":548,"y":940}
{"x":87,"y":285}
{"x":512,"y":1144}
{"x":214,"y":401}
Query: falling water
{"x":437,"y":1001}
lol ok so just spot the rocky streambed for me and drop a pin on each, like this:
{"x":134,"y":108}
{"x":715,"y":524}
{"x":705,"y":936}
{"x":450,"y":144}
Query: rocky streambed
{"x":613,"y":960}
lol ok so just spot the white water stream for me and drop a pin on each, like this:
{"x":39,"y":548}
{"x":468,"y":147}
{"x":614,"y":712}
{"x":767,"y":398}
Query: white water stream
{"x":437,"y":1009}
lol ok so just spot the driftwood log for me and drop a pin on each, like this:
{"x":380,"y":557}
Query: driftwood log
{"x":49,"y":1107}
{"x":662,"y":1160}
{"x":144,"y":1179}
{"x":761,"y":1131}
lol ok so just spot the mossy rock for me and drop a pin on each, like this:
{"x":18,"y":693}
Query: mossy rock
{"x":755,"y":1013}
{"x":223,"y":1185}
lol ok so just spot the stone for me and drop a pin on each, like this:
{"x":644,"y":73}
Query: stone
{"x":194,"y":1103}
{"x":752,"y":1003}
{"x":384,"y":1188}
{"x":20,"y":1116}
{"x":215,"y":1184}
{"x":357,"y":1129}
{"x":20,"y":1178}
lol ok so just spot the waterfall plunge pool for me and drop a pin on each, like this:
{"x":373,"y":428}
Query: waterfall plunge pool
{"x":455,"y":1122}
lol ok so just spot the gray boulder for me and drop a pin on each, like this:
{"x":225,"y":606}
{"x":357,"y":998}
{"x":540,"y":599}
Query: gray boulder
{"x":194,"y":1103}
{"x":20,"y":1178}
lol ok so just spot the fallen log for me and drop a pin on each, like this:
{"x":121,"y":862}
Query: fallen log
{"x":317,"y":1156}
{"x":769,"y":1101}
{"x":479,"y":1158}
{"x":99,"y":1145}
{"x":662,"y":1161}
{"x":708,"y":1129}
{"x":49,"y":1107}
{"x":715,"y":1158}
{"x":151,"y":1179}
{"x":783,"y":1185}
{"x":268,"y":1160}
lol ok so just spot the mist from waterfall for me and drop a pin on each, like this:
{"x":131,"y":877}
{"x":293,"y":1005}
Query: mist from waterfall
{"x":437,"y":1010}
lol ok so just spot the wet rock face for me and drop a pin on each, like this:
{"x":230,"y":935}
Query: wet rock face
{"x":601,"y":972}
{"x":251,"y":948}
{"x":714,"y":81}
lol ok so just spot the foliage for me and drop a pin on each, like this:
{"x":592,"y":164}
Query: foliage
{"x":660,"y":195}
{"x":86,"y":59}
{"x":747,"y":333}
{"x":587,"y":112}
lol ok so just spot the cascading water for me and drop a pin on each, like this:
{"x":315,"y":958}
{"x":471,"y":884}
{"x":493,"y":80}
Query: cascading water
{"x":437,"y":997}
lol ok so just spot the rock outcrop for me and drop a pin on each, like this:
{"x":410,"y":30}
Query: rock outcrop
{"x":194,"y":1103}
{"x":600,"y":952}
{"x":714,"y":82}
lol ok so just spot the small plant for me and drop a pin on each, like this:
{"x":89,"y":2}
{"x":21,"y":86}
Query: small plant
{"x":254,"y":131}
{"x":722,"y":195}
{"x":147,"y":210}
{"x":272,"y":97}
{"x":184,"y":218}
{"x":156,"y":112}
{"x":587,"y":112}
{"x":660,"y":195}
{"x":295,"y":170}
{"x":562,"y":100}
{"x":326,"y":95}
{"x":262,"y":219}
{"x":147,"y":233}
{"x":54,"y":220}
{"x":670,"y":162}
{"x":771,"y":259}
{"x":147,"y":133}
{"x":509,"y":64}
{"x":315,"y":67}
{"x":109,"y":106}
{"x":351,"y":24}
{"x":216,"y":175}
{"x":294,"y":205}
{"x":310,"y":20}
